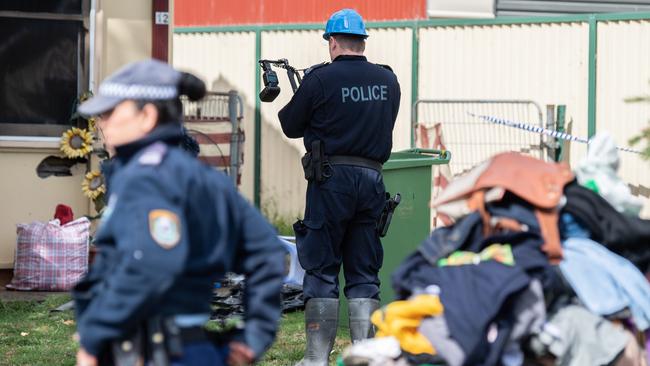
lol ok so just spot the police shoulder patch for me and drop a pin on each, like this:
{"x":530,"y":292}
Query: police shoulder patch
{"x":165,"y":228}
{"x":153,"y":154}
{"x":385,"y":67}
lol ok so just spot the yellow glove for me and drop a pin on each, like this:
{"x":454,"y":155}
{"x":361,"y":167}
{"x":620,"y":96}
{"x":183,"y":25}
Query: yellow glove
{"x":401,"y":320}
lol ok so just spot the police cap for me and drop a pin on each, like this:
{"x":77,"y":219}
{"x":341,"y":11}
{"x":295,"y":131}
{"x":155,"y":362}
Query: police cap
{"x":142,"y":80}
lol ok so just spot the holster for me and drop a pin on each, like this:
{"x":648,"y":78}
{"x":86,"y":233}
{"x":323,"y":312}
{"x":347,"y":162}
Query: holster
{"x":129,"y":351}
{"x":176,"y":337}
{"x":314,"y":161}
{"x":387,"y":213}
{"x":149,"y":342}
{"x":157,"y":339}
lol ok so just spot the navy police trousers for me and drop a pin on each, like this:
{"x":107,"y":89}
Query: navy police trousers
{"x":201,"y":353}
{"x":339,"y":227}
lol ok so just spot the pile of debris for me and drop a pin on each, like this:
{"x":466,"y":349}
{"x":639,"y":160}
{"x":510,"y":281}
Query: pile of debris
{"x":228,"y":300}
{"x":536,"y":268}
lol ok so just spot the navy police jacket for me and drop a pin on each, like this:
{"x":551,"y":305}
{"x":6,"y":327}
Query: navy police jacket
{"x":172,"y":227}
{"x":351,"y":105}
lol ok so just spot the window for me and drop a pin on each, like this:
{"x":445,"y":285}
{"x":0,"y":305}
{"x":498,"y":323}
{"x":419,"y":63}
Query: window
{"x":42,"y":65}
{"x":40,"y":6}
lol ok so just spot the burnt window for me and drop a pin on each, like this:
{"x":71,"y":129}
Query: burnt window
{"x":43,"y":6}
{"x":42,"y":65}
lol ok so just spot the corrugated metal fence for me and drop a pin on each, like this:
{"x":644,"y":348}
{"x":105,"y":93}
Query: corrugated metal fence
{"x":623,"y":72}
{"x":558,"y":7}
{"x":546,"y":60}
{"x":227,"y":60}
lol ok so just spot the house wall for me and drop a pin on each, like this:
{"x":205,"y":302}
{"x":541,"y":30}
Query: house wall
{"x":123,"y":34}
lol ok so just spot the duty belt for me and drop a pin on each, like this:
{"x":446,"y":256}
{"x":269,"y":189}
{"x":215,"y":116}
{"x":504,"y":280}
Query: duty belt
{"x":354,"y":161}
{"x":159,"y":340}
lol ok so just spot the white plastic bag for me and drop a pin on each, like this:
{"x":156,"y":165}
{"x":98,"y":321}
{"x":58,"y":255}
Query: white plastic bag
{"x":598,"y":172}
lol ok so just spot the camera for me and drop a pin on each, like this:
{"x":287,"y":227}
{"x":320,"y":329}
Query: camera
{"x":270,"y":78}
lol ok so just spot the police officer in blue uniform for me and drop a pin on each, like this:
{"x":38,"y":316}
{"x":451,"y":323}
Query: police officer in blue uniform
{"x":172,"y":227}
{"x":345,"y":112}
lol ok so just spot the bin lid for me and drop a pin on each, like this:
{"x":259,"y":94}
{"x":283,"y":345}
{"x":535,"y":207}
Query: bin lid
{"x":413,"y":158}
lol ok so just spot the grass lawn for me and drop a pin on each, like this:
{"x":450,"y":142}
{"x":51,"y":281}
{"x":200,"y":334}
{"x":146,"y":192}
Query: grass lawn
{"x":32,"y":335}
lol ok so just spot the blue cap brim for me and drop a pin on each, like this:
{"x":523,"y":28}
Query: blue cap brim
{"x":98,"y":105}
{"x":326,"y":36}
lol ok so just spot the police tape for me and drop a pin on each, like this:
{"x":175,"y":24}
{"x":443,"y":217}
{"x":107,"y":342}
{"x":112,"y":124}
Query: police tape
{"x":544,"y":131}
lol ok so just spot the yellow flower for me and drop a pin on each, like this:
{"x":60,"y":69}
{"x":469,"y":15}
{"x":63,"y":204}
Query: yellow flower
{"x":91,"y":125}
{"x":93,"y":185}
{"x":85,"y":96}
{"x":76,"y":143}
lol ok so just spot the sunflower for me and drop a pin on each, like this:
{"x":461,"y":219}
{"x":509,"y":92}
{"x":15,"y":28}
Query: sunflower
{"x":85,"y":96}
{"x":93,"y":185}
{"x":76,"y":143}
{"x":91,"y":125}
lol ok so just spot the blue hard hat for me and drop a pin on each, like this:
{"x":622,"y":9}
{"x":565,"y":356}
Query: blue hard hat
{"x":345,"y":21}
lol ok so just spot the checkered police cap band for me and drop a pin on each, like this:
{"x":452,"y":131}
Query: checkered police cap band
{"x":137,"y":91}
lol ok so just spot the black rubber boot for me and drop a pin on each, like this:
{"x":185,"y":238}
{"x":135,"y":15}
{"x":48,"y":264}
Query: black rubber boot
{"x":360,"y":311}
{"x":321,"y":323}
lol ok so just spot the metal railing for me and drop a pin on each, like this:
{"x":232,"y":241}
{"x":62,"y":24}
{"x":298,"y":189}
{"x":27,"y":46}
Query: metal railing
{"x":455,"y":124}
{"x":218,"y":107}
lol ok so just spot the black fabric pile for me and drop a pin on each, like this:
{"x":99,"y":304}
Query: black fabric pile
{"x":626,"y":236}
{"x":228,"y":302}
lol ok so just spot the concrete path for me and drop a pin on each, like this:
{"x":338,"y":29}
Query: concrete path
{"x":10,"y":295}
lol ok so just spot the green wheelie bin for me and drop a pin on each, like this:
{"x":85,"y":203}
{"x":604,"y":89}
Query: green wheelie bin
{"x":408,"y":173}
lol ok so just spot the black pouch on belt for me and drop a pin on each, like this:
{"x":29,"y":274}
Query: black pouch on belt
{"x":176,"y":337}
{"x":158,"y":355}
{"x":307,"y":166}
{"x":128,"y":351}
{"x":313,"y":162}
{"x":317,"y":159}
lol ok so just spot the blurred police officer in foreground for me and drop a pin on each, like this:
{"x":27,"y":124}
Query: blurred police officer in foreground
{"x":172,"y":227}
{"x":345,"y":111}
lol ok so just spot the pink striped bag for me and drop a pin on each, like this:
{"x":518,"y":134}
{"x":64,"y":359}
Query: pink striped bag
{"x":50,"y":257}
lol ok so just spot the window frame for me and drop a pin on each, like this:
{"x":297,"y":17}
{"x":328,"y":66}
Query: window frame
{"x":27,"y":131}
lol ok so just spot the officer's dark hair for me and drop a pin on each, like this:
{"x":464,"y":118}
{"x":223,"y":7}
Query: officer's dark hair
{"x":351,"y":43}
{"x":171,"y":110}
